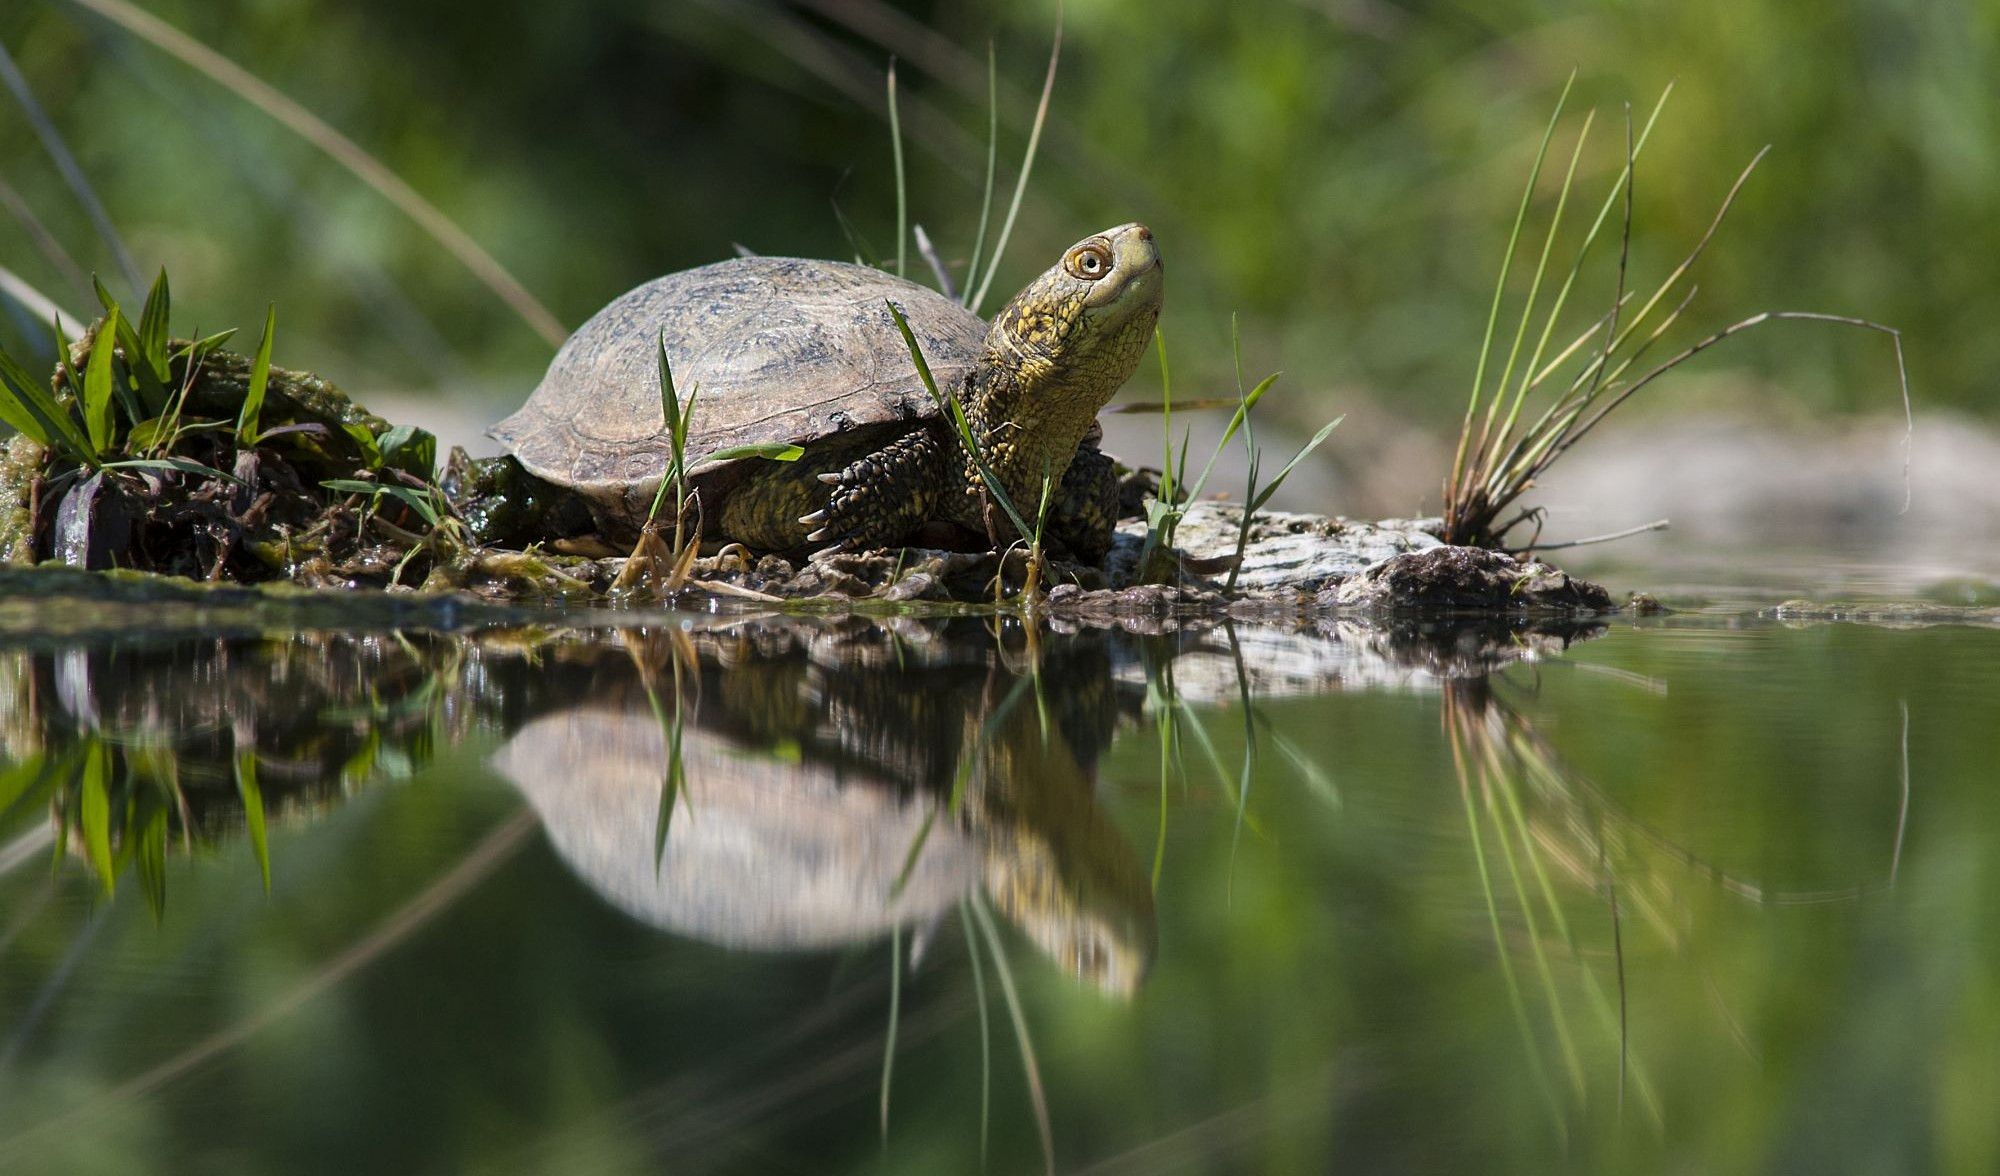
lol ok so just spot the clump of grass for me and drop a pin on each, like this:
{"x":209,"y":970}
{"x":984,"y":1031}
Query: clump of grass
{"x":98,"y":421}
{"x":667,"y":563}
{"x":176,"y":455}
{"x":1501,"y":453}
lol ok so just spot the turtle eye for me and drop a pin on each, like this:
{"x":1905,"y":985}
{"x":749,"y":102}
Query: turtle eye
{"x":1088,"y":262}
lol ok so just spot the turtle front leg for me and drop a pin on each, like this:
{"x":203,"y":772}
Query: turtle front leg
{"x":880,"y":497}
{"x":1084,"y":512}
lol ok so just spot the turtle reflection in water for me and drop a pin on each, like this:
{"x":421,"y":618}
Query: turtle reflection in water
{"x":816,"y":808}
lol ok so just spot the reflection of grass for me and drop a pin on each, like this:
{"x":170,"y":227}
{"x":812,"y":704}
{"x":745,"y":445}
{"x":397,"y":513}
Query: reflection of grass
{"x":1036,"y":1093}
{"x":119,"y":806}
{"x":673,"y":774}
{"x":121,"y":794}
{"x":1497,"y":755}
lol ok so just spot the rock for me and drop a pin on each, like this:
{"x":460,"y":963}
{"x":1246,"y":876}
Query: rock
{"x":1286,"y":552}
{"x":1465,"y":579}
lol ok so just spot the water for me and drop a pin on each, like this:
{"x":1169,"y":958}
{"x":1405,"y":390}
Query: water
{"x":1709,"y":892}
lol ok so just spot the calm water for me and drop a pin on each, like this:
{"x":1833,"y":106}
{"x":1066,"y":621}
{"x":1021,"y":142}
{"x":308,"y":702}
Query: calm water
{"x":1704,"y":893}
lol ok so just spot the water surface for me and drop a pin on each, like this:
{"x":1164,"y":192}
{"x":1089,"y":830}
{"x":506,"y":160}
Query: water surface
{"x":1705,"y":892}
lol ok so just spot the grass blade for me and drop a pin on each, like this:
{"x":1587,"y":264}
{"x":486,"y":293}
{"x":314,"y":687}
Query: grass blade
{"x":671,"y":780}
{"x":895,"y":1018}
{"x":95,"y":812}
{"x":138,"y":373}
{"x":97,"y":420}
{"x":260,"y":378}
{"x":253,"y":812}
{"x":181,"y":464}
{"x":1534,"y":290}
{"x":1236,"y":421}
{"x":1500,"y":291}
{"x":985,"y":1032}
{"x":409,"y":449}
{"x":670,"y":400}
{"x":902,"y":197}
{"x":15,"y":410}
{"x":417,"y":501}
{"x":152,"y":858}
{"x":992,"y":159}
{"x":956,"y":412}
{"x":153,"y":326}
{"x":1271,"y":487}
{"x":769,"y":450}
{"x":38,"y":305}
{"x":1027,"y":166}
{"x":1036,"y":1092}
{"x":23,"y":779}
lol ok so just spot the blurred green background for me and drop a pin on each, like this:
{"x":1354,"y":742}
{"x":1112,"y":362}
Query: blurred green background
{"x":1339,"y":173}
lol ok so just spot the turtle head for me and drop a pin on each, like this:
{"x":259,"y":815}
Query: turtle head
{"x":1080,"y":329}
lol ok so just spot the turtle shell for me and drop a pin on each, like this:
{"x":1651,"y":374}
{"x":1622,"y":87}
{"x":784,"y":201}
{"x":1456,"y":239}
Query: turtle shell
{"x":773,"y":349}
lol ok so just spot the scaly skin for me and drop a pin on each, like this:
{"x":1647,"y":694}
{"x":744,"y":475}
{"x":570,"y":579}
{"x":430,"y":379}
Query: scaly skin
{"x":1053,"y":357}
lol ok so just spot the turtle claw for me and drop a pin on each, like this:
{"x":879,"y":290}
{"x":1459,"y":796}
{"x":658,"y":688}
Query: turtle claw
{"x":832,"y":479}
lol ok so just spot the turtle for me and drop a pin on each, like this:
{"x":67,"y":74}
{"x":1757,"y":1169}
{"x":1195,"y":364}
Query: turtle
{"x":788,"y":350}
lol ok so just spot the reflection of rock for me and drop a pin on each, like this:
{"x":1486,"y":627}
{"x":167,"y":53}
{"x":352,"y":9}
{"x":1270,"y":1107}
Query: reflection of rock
{"x":760,"y":853}
{"x":1221,"y":663}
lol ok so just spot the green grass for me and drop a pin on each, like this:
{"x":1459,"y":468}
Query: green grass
{"x":1158,"y":560}
{"x":1515,"y":429}
{"x":665,"y":566}
{"x":117,"y":414}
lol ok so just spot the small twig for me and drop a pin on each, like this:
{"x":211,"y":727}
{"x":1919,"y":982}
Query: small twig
{"x":1755,"y":320}
{"x":1624,"y":259}
{"x":930,"y":255}
{"x":1627,"y":533}
{"x":721,"y":588}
